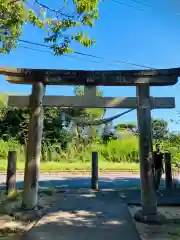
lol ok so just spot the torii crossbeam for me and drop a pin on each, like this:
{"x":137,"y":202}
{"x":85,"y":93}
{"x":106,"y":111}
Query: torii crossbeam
{"x":142,"y":79}
{"x":158,"y":77}
{"x":90,"y":102}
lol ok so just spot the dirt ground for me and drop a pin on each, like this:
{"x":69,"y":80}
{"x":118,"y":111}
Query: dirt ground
{"x":168,"y":231}
{"x":13,"y":220}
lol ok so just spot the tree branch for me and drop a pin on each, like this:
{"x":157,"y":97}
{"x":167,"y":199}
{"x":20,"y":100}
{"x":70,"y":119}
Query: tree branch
{"x":54,"y":10}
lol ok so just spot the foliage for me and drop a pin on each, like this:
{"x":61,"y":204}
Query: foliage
{"x":14,"y":126}
{"x":115,"y":151}
{"x":89,"y":114}
{"x":12,"y":18}
{"x":122,"y":126}
{"x":159,"y":129}
{"x":78,"y":156}
{"x":120,"y":150}
{"x":11,"y":145}
{"x":62,"y":24}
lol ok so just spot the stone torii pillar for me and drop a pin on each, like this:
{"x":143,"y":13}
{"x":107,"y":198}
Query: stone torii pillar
{"x":35,"y":131}
{"x":148,"y":213}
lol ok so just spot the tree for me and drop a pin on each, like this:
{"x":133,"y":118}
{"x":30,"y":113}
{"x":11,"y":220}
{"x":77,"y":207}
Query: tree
{"x":159,"y":129}
{"x":62,"y":24}
{"x":14,"y":125}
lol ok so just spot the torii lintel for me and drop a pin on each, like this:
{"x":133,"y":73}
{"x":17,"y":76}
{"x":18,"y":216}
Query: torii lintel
{"x":155,"y":77}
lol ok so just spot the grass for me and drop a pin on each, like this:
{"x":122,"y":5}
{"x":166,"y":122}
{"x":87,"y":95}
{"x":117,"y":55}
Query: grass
{"x":54,"y":166}
{"x":75,"y":166}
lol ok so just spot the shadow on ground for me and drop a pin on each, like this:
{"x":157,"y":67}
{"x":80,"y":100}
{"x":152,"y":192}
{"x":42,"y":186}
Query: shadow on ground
{"x":85,"y":182}
{"x":91,"y":215}
{"x":100,"y":215}
{"x":129,"y":188}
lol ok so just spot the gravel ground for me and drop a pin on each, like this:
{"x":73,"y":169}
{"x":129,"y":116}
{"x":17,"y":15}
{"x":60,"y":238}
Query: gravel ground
{"x":168,"y":231}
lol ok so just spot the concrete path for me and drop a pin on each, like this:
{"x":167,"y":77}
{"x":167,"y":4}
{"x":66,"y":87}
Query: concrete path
{"x":91,"y":216}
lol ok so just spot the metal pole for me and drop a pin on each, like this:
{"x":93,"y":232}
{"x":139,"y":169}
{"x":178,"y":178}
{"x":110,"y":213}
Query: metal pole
{"x":94,"y":170}
{"x":168,"y":170}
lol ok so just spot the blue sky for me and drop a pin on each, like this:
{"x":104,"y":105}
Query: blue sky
{"x":149,"y":37}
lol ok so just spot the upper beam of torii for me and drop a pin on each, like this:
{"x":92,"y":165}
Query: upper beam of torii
{"x":155,"y":77}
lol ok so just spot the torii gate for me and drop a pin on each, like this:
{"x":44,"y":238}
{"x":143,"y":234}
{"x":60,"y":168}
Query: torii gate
{"x":142,"y":79}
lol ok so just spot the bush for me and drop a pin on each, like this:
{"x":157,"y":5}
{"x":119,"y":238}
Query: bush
{"x":11,"y":146}
{"x":115,"y":151}
{"x":121,"y":150}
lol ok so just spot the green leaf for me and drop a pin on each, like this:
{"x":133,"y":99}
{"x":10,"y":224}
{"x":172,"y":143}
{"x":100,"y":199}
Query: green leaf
{"x":15,"y":14}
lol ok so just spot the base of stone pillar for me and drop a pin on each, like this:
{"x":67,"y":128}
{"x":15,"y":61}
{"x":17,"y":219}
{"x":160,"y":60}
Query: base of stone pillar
{"x":156,"y":219}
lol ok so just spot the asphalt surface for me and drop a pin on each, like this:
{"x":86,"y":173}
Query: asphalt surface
{"x":71,"y":181}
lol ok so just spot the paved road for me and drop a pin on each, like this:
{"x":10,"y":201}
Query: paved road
{"x":71,"y":181}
